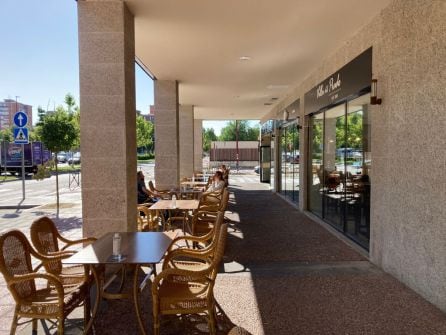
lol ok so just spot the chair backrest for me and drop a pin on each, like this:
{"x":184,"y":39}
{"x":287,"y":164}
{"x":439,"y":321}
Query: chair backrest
{"x":224,"y":199}
{"x":147,"y":219}
{"x":15,"y":259}
{"x":213,"y":234}
{"x":44,"y":236}
{"x":219,"y":250}
{"x":210,"y":202}
{"x":152,"y":187}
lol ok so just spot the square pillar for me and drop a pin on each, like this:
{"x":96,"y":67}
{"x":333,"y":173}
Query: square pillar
{"x":186,"y":132}
{"x":167,"y":153}
{"x":198,"y":145}
{"x":108,"y":125}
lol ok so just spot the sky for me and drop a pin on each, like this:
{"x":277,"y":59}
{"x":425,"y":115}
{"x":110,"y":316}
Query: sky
{"x":39,"y":61}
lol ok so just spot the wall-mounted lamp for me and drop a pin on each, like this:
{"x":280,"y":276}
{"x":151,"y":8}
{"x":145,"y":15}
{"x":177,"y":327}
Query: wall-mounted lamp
{"x":286,"y":114}
{"x":374,"y":100}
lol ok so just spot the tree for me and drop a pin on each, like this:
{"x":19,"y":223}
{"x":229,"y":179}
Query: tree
{"x":144,"y":133}
{"x":58,"y":133}
{"x":208,"y":137}
{"x":246,"y":133}
{"x":6,"y":135}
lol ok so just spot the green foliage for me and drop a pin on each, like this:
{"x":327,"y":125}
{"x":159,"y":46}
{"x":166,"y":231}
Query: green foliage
{"x":44,"y":170}
{"x":69,"y":117}
{"x":70,"y":102}
{"x":144,"y":133}
{"x":6,"y":135}
{"x":290,"y":138}
{"x":57,"y":131}
{"x":208,"y":137}
{"x":353,"y":137}
{"x":41,"y":114}
{"x":245,"y":132}
{"x":145,"y":157}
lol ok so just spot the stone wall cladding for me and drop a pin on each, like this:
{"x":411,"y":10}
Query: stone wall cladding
{"x":408,"y":212}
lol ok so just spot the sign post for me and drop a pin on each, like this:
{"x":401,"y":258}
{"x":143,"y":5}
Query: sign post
{"x":21,"y":137}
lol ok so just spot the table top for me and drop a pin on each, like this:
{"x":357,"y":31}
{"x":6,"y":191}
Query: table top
{"x":136,"y":247}
{"x":181,"y":204}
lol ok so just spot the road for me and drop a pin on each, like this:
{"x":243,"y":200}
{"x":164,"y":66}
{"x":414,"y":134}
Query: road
{"x":38,"y":192}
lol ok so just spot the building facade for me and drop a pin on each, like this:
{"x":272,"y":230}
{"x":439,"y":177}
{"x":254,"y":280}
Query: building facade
{"x":370,"y":171}
{"x":7,"y":110}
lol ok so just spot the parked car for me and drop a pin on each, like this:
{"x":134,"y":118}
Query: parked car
{"x":62,"y":157}
{"x":75,"y":158}
{"x":257,"y":169}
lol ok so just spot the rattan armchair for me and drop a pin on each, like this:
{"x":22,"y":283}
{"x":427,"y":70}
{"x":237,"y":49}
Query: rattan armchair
{"x":203,"y":224}
{"x":149,"y":221}
{"x":181,"y":257}
{"x":34,"y":300}
{"x":46,"y":238}
{"x":154,"y":192}
{"x":178,"y":291}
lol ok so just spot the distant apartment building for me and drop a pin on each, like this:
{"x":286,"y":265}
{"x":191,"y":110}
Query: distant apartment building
{"x":151,"y":116}
{"x":7,"y":110}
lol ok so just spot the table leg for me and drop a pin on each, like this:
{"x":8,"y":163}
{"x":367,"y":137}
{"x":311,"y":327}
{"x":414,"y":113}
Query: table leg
{"x":137,"y":289}
{"x":98,"y":283}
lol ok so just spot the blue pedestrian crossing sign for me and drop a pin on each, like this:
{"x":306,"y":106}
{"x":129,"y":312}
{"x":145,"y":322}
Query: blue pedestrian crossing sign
{"x":21,"y":136}
{"x":20,"y":119}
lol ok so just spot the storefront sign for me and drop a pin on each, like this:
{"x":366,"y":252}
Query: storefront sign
{"x":350,"y":79}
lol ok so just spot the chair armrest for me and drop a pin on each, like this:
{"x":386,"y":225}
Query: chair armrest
{"x":190,"y":254}
{"x":165,"y":274}
{"x":52,"y":279}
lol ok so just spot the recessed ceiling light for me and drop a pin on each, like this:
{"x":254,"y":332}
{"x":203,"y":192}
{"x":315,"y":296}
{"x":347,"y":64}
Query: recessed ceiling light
{"x":244,"y":58}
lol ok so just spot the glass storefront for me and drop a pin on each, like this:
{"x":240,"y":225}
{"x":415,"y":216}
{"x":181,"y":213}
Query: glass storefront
{"x":339,"y":167}
{"x":289,"y":160}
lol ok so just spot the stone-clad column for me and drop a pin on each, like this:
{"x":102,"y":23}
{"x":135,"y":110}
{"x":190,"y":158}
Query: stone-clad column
{"x":107,"y":103}
{"x":167,"y":163}
{"x":198,"y":145}
{"x":186,"y":131}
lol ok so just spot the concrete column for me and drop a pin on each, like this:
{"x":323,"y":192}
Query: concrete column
{"x":186,"y":140}
{"x":198,"y":145}
{"x":167,"y":153}
{"x":108,"y":130}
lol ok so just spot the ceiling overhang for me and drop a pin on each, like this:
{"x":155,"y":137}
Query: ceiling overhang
{"x":201,"y":43}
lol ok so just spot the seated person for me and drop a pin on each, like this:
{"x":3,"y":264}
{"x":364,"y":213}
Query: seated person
{"x":143,"y":193}
{"x":217,"y":184}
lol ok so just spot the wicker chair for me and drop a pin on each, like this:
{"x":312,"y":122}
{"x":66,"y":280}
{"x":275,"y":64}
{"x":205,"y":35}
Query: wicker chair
{"x":149,"y":221}
{"x":45,"y":238}
{"x":180,"y":256}
{"x":53,"y":301}
{"x":162,"y":194}
{"x":177,"y":291}
{"x":203,"y":225}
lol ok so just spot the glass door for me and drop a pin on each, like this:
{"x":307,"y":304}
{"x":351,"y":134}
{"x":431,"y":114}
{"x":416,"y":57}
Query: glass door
{"x":265,"y":164}
{"x":339,"y":168}
{"x":358,"y":167}
{"x":334,"y":166}
{"x":316,"y":164}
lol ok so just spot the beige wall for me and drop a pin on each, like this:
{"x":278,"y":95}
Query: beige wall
{"x":408,"y":212}
{"x":186,"y":130}
{"x":198,"y":145}
{"x":167,"y":148}
{"x":107,"y":101}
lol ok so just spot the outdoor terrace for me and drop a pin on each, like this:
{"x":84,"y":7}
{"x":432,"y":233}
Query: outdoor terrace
{"x":283,"y":273}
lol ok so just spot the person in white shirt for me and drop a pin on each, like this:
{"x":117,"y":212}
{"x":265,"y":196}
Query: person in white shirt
{"x":217,"y":184}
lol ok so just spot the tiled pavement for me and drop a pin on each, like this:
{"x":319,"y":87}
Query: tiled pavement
{"x":283,"y":274}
